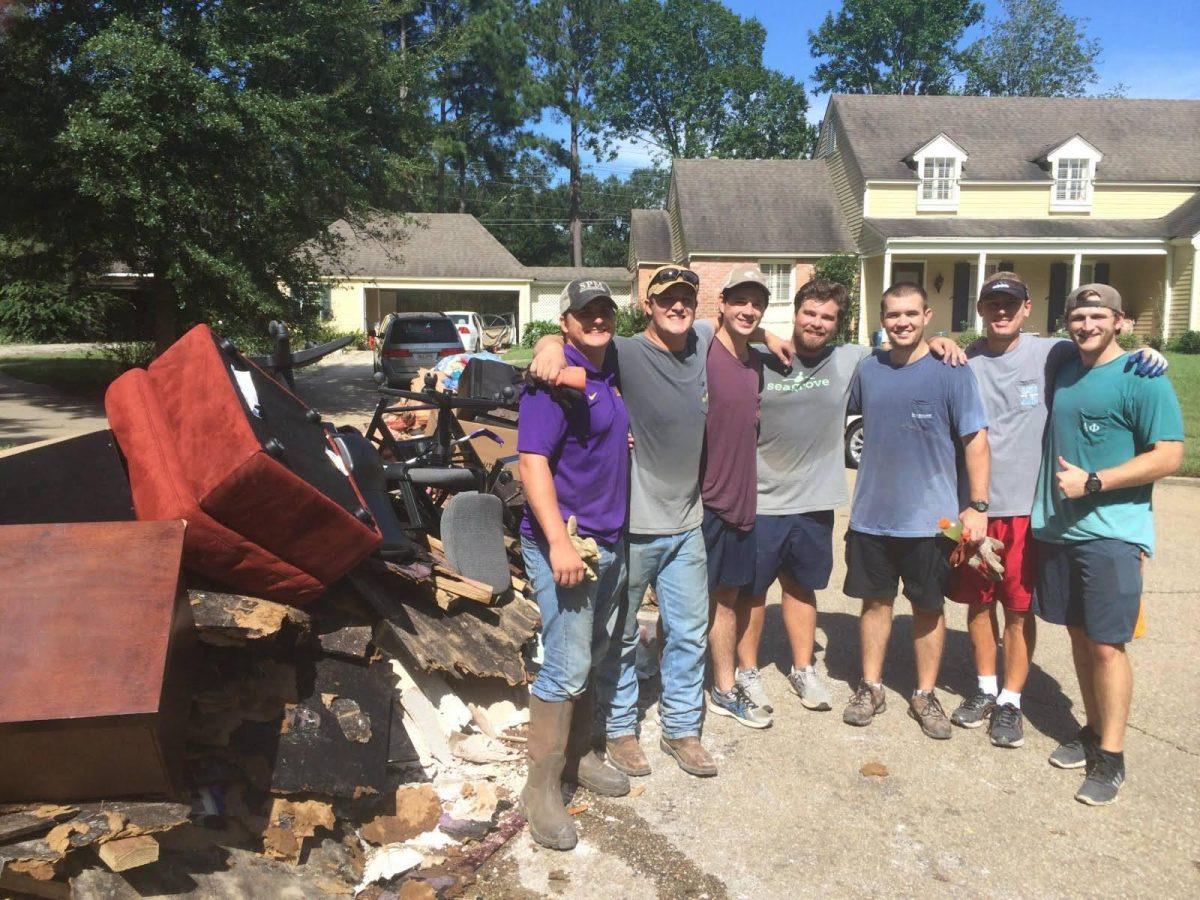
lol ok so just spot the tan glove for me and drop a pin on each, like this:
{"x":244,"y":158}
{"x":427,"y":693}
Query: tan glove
{"x":587,"y":548}
{"x":982,"y":556}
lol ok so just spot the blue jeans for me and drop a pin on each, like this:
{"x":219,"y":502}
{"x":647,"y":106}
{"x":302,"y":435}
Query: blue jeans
{"x":675,"y":564}
{"x":577,"y":622}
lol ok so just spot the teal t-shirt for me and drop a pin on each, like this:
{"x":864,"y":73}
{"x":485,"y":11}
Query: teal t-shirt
{"x":1099,"y":418}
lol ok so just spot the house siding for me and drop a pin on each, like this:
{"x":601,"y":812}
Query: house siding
{"x":851,"y":200}
{"x":1184,"y":271}
{"x":678,"y":249}
{"x":997,"y":201}
{"x":346,"y":305}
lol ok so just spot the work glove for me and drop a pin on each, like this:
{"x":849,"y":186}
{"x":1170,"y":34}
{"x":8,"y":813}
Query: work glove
{"x":983,"y":556}
{"x":587,"y":548}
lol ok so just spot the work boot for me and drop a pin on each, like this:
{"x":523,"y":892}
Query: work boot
{"x":541,"y":798}
{"x":584,"y":765}
{"x":690,"y":754}
{"x":625,"y":755}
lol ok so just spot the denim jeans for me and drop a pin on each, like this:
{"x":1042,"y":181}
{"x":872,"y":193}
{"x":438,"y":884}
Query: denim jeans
{"x":676,"y":566}
{"x":577,"y":622}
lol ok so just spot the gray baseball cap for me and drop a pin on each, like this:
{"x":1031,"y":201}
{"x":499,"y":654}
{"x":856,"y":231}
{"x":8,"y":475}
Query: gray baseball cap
{"x":1103,"y":295}
{"x":579,"y":293}
{"x":744,"y":273}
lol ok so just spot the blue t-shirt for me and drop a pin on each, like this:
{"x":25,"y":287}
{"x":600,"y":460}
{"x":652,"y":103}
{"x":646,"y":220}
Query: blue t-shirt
{"x":587,"y":445}
{"x":913,"y":417}
{"x":1101,"y":417}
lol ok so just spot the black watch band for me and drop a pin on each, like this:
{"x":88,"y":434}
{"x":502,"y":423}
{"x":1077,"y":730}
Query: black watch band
{"x":979,"y":505}
{"x":1093,"y":484}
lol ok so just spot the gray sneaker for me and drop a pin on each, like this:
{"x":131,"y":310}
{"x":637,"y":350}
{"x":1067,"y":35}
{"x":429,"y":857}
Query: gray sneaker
{"x":1104,"y":780}
{"x":868,"y":702}
{"x":810,"y":688}
{"x":738,"y":705}
{"x":1008,"y":726}
{"x":1075,"y":754}
{"x":751,"y":682}
{"x":927,"y":710}
{"x":974,"y":710}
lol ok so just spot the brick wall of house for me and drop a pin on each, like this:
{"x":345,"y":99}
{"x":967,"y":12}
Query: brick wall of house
{"x":713,"y":273}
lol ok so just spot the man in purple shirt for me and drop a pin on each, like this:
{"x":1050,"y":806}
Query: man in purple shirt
{"x":574,"y":463}
{"x":728,"y":485}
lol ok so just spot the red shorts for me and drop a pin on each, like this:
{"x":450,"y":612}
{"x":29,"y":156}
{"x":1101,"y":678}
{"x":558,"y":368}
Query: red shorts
{"x":1015,"y":589}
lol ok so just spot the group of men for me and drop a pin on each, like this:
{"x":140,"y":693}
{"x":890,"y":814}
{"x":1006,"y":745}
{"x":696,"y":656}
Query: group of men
{"x":738,"y":466}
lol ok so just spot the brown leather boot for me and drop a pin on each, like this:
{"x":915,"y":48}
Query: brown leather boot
{"x":541,"y":798}
{"x":690,"y":754}
{"x":584,"y":765}
{"x":625,"y":755}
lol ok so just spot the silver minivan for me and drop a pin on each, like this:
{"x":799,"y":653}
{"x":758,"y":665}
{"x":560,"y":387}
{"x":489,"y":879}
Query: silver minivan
{"x":408,"y":342}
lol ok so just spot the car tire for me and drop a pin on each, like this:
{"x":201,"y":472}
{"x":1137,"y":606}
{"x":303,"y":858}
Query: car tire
{"x":853,"y":444}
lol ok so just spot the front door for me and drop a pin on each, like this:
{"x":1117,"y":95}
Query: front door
{"x":1060,"y":278}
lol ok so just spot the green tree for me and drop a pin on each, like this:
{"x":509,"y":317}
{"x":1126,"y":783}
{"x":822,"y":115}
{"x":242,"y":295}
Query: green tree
{"x":892,"y":46}
{"x":565,"y":39}
{"x":686,"y":77}
{"x":1036,"y":50}
{"x":206,"y":146}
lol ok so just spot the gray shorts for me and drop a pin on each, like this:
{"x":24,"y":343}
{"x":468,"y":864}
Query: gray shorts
{"x":1093,"y":585}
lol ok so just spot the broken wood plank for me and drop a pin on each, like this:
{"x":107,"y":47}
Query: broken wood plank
{"x":26,"y":884}
{"x":231,"y":620}
{"x":447,"y":579}
{"x":34,"y":821}
{"x":129,"y":853}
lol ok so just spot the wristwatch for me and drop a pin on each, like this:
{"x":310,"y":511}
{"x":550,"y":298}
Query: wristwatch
{"x":1092,"y":485}
{"x":979,"y":505}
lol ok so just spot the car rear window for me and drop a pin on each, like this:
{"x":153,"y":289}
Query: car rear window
{"x":457,"y":319}
{"x":422,"y":331}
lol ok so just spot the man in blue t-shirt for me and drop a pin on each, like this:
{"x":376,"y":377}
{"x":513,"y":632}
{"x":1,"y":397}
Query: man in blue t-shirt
{"x":916,"y":413}
{"x":1111,"y":436}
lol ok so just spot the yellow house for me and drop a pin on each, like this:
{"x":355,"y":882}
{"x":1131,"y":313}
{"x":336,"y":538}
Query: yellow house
{"x":433,"y":262}
{"x":939,"y":190}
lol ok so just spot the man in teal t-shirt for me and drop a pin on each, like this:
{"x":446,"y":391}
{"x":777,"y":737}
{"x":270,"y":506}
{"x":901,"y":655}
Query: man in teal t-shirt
{"x":1111,"y":435}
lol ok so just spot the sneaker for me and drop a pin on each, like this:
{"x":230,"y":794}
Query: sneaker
{"x":738,"y":705}
{"x":751,"y":683}
{"x":810,"y":688}
{"x":974,"y":710}
{"x":927,"y":710}
{"x":1104,"y":780}
{"x":1008,"y":726}
{"x":866,"y":704}
{"x":1076,"y":753}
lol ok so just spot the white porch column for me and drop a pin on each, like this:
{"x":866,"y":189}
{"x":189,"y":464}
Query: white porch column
{"x":982,"y":263}
{"x":863,"y":331}
{"x":1168,"y":291}
{"x":1194,"y":306}
{"x":524,"y":309}
{"x":1076,"y":268}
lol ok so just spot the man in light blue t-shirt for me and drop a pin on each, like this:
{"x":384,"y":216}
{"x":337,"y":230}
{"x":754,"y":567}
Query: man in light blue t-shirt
{"x":1111,"y":435}
{"x":916,"y":413}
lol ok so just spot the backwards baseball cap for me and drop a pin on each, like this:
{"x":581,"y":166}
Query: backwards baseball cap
{"x":746,"y":274}
{"x":1103,"y":295}
{"x":1004,"y":285}
{"x":665,"y":276}
{"x":579,"y":293}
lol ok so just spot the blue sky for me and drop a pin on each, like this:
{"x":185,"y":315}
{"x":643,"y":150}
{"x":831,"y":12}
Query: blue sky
{"x":1152,"y":46}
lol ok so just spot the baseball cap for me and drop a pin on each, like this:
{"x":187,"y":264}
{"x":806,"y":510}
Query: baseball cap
{"x":665,"y":276}
{"x":579,"y":293}
{"x":746,"y":274}
{"x":1003,"y":285}
{"x":1105,"y":295}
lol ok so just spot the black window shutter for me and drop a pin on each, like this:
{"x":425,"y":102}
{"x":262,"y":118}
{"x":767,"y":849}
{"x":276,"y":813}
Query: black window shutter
{"x":962,"y":296}
{"x":1102,"y":273}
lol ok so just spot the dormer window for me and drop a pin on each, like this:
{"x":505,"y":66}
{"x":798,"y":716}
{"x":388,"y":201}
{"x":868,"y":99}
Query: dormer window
{"x":1073,"y":168}
{"x":939,"y":166}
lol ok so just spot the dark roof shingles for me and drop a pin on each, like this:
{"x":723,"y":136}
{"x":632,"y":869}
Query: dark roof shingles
{"x":650,"y":235}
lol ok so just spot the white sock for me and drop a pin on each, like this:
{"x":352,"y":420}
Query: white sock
{"x":1007,"y":696}
{"x":988,"y":684}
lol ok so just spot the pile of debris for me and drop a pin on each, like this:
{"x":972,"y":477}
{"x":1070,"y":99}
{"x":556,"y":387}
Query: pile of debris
{"x":367,"y":744}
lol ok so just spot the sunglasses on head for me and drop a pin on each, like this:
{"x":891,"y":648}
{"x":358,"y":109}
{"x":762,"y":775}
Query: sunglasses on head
{"x":666,"y":275}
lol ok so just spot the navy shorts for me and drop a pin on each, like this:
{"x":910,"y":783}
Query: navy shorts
{"x":799,"y":545}
{"x":1093,"y":585}
{"x":730,"y":552}
{"x":876,"y":563}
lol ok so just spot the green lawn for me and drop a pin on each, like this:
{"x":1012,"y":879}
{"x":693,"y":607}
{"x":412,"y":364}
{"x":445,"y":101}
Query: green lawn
{"x":519,"y":356}
{"x":78,"y":375}
{"x":1185,"y":375}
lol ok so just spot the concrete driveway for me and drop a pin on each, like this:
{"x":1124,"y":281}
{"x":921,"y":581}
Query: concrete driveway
{"x":791,"y":815}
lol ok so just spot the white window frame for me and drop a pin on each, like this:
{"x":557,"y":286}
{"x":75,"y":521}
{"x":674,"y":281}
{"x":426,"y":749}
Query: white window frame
{"x":769,"y":269}
{"x":945,"y":159}
{"x":1073,"y":165}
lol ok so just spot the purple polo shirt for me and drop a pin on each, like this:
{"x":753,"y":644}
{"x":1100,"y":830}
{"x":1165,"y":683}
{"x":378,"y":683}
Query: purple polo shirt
{"x":588,"y":449}
{"x":729,"y":465}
